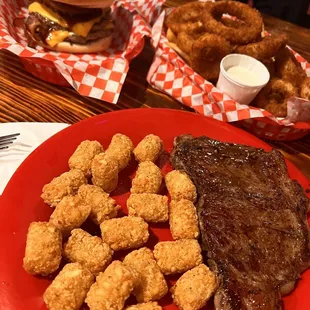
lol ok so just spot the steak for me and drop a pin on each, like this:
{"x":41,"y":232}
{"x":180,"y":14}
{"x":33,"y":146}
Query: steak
{"x":252,"y":217}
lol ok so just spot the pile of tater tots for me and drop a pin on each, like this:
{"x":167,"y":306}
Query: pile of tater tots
{"x":90,"y":274}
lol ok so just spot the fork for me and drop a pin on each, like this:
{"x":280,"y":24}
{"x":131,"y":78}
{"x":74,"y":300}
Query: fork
{"x":5,"y":141}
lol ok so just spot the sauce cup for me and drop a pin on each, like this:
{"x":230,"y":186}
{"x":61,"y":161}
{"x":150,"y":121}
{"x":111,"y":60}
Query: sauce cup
{"x":241,"y":92}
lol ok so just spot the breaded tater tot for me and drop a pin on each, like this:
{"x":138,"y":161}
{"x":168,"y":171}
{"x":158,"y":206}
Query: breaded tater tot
{"x":152,"y":285}
{"x":112,"y":288}
{"x":43,"y":248}
{"x":90,"y":251}
{"x":70,"y":213}
{"x":148,"y":149}
{"x":194,"y":288}
{"x":103,"y":207}
{"x":125,"y":232}
{"x":152,"y":208}
{"x":147,"y":179}
{"x":105,"y":172}
{"x":153,"y":305}
{"x":84,"y":154}
{"x":183,"y":220}
{"x":180,"y":186}
{"x":120,"y":149}
{"x":177,"y":256}
{"x":69,"y":288}
{"x":67,"y":183}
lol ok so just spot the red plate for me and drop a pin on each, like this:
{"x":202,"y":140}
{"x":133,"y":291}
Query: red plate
{"x":21,"y":202}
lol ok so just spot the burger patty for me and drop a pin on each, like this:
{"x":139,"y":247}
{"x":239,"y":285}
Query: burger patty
{"x":73,"y":13}
{"x":96,"y":33}
{"x":40,"y":27}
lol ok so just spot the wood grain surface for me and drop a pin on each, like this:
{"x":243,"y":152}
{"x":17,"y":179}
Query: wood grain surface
{"x":24,"y":98}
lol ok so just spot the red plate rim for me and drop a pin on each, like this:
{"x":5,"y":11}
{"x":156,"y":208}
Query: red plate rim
{"x":9,"y":296}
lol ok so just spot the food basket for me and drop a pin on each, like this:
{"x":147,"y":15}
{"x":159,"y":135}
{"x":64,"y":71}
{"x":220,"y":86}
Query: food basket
{"x":99,"y":76}
{"x":170,"y":74}
{"x":267,"y":129}
{"x":44,"y":70}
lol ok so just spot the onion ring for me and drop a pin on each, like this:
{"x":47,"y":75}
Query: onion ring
{"x":207,"y":53}
{"x":288,"y":68}
{"x":273,"y":97}
{"x":267,"y":48}
{"x":185,"y":41}
{"x":305,"y":88}
{"x":232,"y":23}
{"x":244,"y":35}
{"x":188,"y":17}
{"x":270,"y":65}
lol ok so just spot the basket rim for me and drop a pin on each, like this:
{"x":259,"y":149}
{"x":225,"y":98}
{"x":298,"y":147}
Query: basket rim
{"x":297,"y":125}
{"x":38,"y":61}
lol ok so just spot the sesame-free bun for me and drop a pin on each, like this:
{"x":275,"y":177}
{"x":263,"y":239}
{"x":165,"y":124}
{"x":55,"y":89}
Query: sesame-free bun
{"x":88,"y":3}
{"x":93,"y":47}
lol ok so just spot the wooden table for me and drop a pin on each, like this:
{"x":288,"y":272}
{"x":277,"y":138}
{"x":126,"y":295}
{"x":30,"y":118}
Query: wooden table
{"x":24,"y":98}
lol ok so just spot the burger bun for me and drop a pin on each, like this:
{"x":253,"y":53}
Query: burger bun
{"x":88,"y":3}
{"x":93,"y":47}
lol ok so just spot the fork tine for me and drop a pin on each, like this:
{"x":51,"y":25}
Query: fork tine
{"x":4,"y":147}
{"x":7,"y":137}
{"x":7,"y":140}
{"x":5,"y":143}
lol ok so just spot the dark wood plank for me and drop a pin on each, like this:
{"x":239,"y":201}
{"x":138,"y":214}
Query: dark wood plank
{"x":25,"y":98}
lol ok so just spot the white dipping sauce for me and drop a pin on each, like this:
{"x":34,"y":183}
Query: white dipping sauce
{"x":243,"y":75}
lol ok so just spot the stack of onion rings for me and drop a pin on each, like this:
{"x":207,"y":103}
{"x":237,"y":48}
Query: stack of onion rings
{"x":253,"y":22}
{"x":274,"y":96}
{"x":305,"y":88}
{"x":288,"y":68}
{"x":264,"y":49}
{"x":202,"y":33}
{"x":188,"y":17}
{"x":207,"y":53}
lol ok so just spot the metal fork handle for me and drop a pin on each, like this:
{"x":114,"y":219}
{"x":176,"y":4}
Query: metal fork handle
{"x":9,"y":137}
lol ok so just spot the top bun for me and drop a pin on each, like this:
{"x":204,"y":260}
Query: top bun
{"x":88,"y":3}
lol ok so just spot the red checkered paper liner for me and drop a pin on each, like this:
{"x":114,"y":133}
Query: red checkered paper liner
{"x":170,"y":74}
{"x":98,"y":76}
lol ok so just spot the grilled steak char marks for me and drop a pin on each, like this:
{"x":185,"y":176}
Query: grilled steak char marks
{"x":253,"y":220}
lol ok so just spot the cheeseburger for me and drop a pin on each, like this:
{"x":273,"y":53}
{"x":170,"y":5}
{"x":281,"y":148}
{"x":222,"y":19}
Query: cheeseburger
{"x":72,"y":26}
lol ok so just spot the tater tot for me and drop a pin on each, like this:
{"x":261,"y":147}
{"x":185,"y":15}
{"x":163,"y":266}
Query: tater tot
{"x":147,"y":179}
{"x":152,"y":285}
{"x":153,"y":305}
{"x":67,"y":183}
{"x":112,"y":288}
{"x":183,"y":220}
{"x":84,"y":154}
{"x":177,"y":256}
{"x":70,"y":213}
{"x":152,"y":208}
{"x":43,"y":249}
{"x":103,"y":207}
{"x":69,"y":288}
{"x":180,"y":186}
{"x":125,"y":232}
{"x":120,"y":149}
{"x":148,"y":149}
{"x":105,"y":172}
{"x":90,"y":251}
{"x":194,"y":288}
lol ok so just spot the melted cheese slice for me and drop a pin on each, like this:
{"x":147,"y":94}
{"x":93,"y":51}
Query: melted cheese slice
{"x":43,"y":10}
{"x":81,"y":29}
{"x":56,"y":37}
